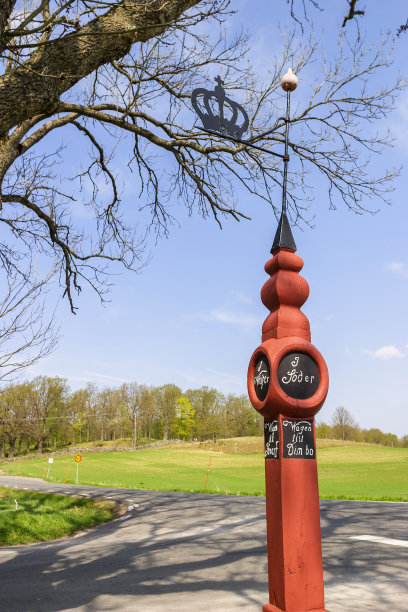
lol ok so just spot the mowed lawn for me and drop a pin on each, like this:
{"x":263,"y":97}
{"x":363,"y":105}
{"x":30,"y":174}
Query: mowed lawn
{"x":27,"y":517}
{"x":345,"y":472}
{"x":363,"y":472}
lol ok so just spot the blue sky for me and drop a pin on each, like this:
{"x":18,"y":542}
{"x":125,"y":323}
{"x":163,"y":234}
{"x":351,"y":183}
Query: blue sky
{"x":193,"y":315}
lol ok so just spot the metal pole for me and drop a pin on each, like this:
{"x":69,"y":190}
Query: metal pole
{"x":286,"y":156}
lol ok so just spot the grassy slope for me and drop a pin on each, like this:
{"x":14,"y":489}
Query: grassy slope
{"x":40,"y":517}
{"x":360,"y":472}
{"x":352,"y":471}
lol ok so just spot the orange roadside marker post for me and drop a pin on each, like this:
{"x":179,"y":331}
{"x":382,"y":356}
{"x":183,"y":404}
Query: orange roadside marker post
{"x":206,"y":478}
{"x":77,"y":460}
{"x":287,"y":383}
{"x":66,"y":473}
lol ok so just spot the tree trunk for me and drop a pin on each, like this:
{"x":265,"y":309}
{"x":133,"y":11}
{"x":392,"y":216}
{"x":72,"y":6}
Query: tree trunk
{"x":56,"y":67}
{"x":12,"y":444}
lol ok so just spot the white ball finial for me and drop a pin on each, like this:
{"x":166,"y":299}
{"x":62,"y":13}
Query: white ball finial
{"x":289,"y":81}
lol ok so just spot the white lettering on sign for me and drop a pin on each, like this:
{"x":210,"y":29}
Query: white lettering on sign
{"x":294,"y":451}
{"x":309,"y":451}
{"x":298,"y":375}
{"x":299,"y":426}
{"x":271,"y":439}
{"x":298,"y":439}
{"x":262,"y":376}
{"x":293,"y":376}
{"x":272,"y":451}
{"x":271,"y":426}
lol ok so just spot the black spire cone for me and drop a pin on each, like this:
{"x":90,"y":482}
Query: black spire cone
{"x":283,"y":237}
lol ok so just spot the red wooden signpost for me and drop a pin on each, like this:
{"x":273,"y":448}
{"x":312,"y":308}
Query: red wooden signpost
{"x":288,"y":383}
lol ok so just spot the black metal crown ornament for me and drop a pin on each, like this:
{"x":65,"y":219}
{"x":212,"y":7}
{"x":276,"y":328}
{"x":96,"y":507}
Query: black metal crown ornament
{"x":231,"y":122}
{"x":231,"y":119}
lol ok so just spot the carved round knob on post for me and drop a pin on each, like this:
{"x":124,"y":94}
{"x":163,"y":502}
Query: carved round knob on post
{"x":289,"y":81}
{"x":284,"y":293}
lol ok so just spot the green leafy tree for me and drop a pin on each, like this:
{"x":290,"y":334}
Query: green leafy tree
{"x":404,"y":442}
{"x":343,"y":424}
{"x":131,"y":400}
{"x":165,"y":399}
{"x":207,"y":404}
{"x":47,"y":400}
{"x":242,"y":419}
{"x":323,"y":430}
{"x":184,"y":422}
{"x":148,"y":411}
{"x":14,"y":412}
{"x":77,"y":408}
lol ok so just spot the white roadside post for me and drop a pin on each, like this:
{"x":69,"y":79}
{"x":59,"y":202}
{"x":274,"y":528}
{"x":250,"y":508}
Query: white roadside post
{"x":50,"y":461}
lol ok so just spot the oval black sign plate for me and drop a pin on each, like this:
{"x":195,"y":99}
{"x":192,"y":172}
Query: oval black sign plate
{"x":261,"y":378}
{"x":298,"y":375}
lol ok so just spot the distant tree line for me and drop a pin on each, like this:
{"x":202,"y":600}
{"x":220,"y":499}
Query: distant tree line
{"x":44,"y":414}
{"x":344,"y":427}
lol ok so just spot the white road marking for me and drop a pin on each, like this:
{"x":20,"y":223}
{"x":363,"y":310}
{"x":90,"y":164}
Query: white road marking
{"x":379,"y":540}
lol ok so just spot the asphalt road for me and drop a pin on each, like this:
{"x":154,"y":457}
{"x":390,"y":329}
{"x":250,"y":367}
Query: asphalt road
{"x":183,"y":552}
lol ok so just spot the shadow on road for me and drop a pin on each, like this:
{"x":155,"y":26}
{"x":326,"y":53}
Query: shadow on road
{"x":182,"y":552}
{"x":174,"y":551}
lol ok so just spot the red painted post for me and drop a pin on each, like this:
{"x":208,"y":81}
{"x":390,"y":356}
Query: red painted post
{"x":288,"y":383}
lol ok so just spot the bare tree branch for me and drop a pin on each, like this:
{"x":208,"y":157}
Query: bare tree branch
{"x":353,"y":12}
{"x":61,"y":63}
{"x":93,"y":90}
{"x":6,"y":9}
{"x":27,"y":329}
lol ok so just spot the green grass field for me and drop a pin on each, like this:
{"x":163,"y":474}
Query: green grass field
{"x":345,"y":472}
{"x":39,"y":517}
